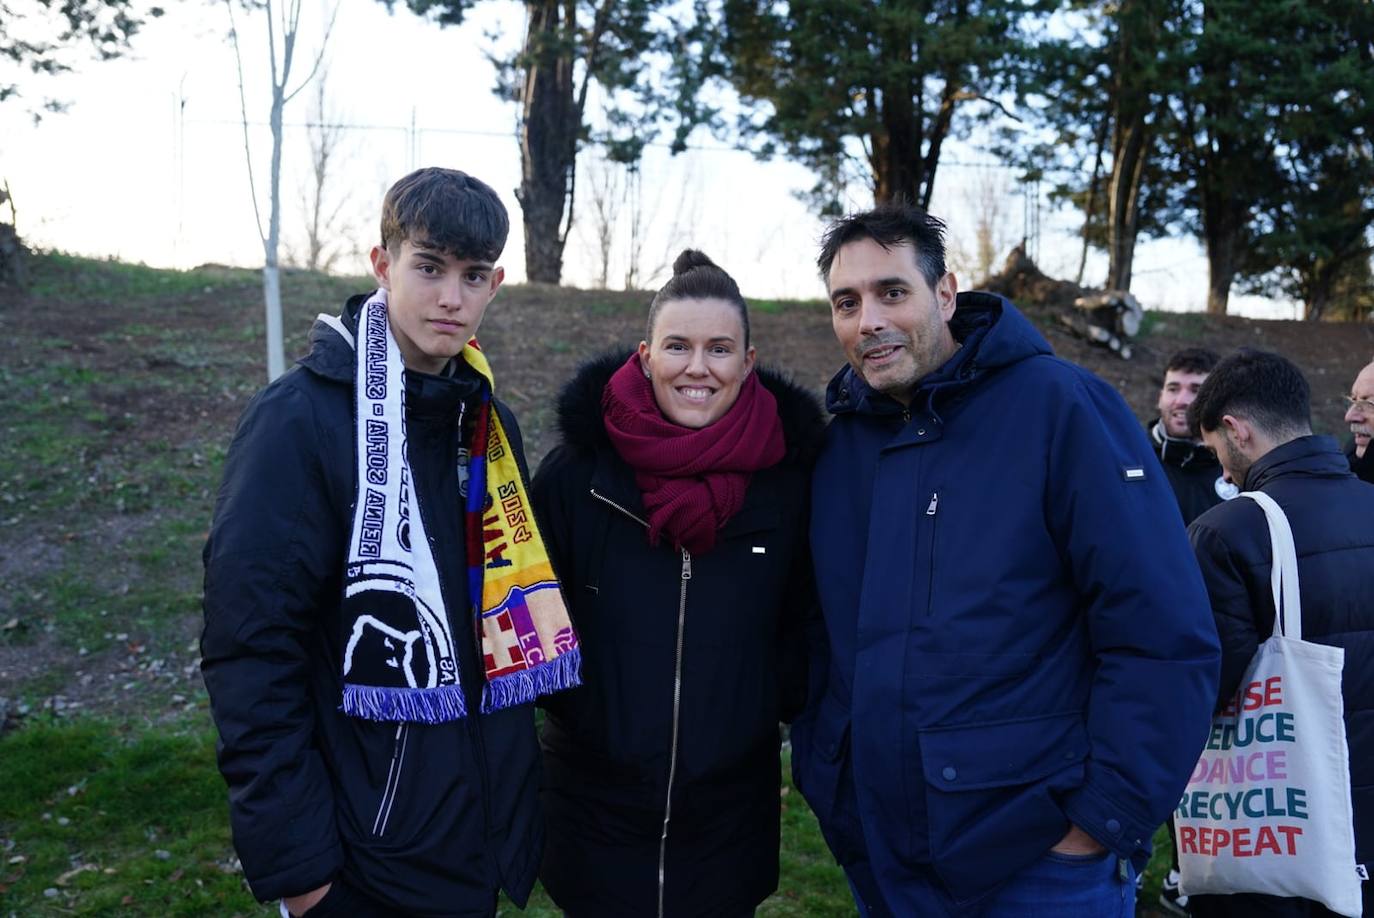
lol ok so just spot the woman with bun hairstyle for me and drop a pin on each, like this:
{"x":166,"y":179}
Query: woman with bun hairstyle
{"x":675,"y":512}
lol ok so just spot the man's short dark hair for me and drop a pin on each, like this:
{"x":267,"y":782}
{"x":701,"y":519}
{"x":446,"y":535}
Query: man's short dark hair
{"x":890,"y":225}
{"x":1265,"y":388}
{"x":445,"y":210}
{"x":1193,"y":360}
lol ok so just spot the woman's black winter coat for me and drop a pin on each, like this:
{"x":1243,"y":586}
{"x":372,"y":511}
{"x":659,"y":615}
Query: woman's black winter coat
{"x":688,"y":665}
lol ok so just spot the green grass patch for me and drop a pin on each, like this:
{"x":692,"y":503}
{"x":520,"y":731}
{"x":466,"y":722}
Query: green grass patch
{"x":1190,"y":326}
{"x":101,"y":818}
{"x":123,"y":821}
{"x":809,"y":880}
{"x":777,"y":306}
{"x":57,"y":274}
{"x":156,"y":586}
{"x":99,"y":821}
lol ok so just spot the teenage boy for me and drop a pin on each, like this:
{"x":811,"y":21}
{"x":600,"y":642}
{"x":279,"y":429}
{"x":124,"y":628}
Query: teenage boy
{"x":372,"y":528}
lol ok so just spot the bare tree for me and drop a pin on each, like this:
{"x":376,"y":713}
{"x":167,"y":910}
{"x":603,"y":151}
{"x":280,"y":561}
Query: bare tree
{"x":682,"y":229}
{"x":603,"y":179}
{"x":283,"y":16}
{"x":686,"y":216}
{"x":985,"y":199}
{"x":325,"y":227}
{"x":634,"y":199}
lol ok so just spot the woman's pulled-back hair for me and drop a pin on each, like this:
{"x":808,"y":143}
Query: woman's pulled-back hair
{"x":696,"y":277}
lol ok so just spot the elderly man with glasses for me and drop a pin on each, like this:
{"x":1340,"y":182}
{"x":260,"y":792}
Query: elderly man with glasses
{"x":1359,"y":414}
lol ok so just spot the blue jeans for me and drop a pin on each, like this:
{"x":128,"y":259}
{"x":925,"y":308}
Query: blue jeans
{"x":1066,"y":886}
{"x":1056,"y":886}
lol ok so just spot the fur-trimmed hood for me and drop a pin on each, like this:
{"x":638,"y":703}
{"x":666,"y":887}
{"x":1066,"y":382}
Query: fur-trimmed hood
{"x":580,"y":419}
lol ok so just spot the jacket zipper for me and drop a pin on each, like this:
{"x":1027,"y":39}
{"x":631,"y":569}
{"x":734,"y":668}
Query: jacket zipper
{"x":677,"y":704}
{"x":931,"y":509}
{"x":393,"y":781}
{"x":610,"y":503}
{"x":677,"y":700}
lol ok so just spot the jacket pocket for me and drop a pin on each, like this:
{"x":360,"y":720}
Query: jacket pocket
{"x":992,"y":794}
{"x":822,"y":771}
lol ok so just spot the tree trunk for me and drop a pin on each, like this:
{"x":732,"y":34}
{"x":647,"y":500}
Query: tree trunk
{"x":1316,"y":304}
{"x":1319,"y":283}
{"x":549,"y":128}
{"x":13,"y":257}
{"x":1137,"y":40}
{"x":897,"y":163}
{"x":1123,"y":200}
{"x":898,"y":169}
{"x":1223,"y":239}
{"x":1090,"y":209}
{"x":939,"y":130}
{"x":271,"y":278}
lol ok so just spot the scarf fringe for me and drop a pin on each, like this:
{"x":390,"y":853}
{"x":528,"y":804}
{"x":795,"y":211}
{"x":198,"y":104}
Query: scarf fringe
{"x":562,"y":672}
{"x":428,"y":705}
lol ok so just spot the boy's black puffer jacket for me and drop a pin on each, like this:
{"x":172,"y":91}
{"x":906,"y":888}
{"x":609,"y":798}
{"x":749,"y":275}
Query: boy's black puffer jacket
{"x":427,"y":819}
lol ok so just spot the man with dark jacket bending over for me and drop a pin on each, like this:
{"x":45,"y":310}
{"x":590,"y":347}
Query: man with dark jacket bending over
{"x":1254,"y":412}
{"x":1012,"y":704}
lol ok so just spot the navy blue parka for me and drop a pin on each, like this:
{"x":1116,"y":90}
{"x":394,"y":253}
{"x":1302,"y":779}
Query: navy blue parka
{"x":1019,"y":635}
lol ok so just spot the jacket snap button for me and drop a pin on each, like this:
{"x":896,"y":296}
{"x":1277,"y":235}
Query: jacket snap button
{"x":949,"y":773}
{"x":921,"y":432}
{"x":1113,"y":826}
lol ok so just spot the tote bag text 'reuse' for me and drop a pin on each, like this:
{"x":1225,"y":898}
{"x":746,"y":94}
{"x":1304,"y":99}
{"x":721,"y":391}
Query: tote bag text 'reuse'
{"x":1267,"y":809}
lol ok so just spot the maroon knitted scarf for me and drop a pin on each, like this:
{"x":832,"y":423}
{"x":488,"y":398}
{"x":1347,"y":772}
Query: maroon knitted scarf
{"x":692,"y":480}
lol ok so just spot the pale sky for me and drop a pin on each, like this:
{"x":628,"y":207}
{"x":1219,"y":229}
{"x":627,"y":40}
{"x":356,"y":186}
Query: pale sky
{"x":121,"y":175}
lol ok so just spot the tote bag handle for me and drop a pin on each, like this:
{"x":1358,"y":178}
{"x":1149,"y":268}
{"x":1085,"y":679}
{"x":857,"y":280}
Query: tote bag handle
{"x":1283,"y":578}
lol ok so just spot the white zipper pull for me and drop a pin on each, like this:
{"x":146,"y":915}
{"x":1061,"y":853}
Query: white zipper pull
{"x":934,"y":503}
{"x":686,"y":565}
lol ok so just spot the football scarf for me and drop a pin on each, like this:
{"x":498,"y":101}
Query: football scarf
{"x":400,"y":662}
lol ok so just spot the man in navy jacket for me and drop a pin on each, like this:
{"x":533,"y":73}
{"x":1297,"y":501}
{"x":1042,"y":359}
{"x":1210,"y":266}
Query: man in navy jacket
{"x":1012,"y":704}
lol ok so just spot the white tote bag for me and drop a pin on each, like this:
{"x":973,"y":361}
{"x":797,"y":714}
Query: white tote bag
{"x":1267,"y":809}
